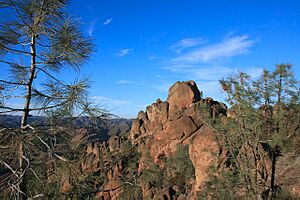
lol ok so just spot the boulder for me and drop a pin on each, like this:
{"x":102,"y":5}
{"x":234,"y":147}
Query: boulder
{"x":182,"y":95}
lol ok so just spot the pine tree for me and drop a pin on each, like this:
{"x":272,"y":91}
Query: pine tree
{"x":266,"y":116}
{"x":38,"y":39}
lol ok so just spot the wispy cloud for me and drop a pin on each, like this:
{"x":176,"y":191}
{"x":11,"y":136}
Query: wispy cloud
{"x":187,"y":43}
{"x":123,"y":82}
{"x":229,"y":47}
{"x":153,"y":57}
{"x":213,"y":73}
{"x":110,"y":101}
{"x":124,"y":52}
{"x":163,"y":86}
{"x":207,"y":77}
{"x":108,"y":21}
{"x":92,"y":27}
{"x":208,"y":64}
{"x":89,"y":8}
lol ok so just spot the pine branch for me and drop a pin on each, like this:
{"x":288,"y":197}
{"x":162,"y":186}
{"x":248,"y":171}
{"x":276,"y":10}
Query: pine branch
{"x":15,"y":50}
{"x":10,"y":109}
{"x":19,"y":14}
{"x":12,"y":83}
{"x":7,"y":62}
{"x":11,"y":97}
{"x":43,"y":45}
{"x":48,"y":107}
{"x":49,"y":75}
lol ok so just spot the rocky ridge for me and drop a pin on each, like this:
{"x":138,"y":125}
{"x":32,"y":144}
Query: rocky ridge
{"x":179,"y":120}
{"x":162,"y":127}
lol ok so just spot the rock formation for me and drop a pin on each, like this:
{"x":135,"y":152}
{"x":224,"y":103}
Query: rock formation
{"x":180,"y":120}
{"x":158,"y":131}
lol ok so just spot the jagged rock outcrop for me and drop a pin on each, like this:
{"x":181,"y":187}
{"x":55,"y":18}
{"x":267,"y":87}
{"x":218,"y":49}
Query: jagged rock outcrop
{"x":179,"y":120}
{"x":158,"y":131}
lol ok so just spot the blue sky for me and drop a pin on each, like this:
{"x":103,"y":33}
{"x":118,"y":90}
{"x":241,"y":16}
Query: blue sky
{"x":144,"y":46}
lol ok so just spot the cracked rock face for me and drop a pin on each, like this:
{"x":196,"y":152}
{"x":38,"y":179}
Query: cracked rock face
{"x":179,"y":120}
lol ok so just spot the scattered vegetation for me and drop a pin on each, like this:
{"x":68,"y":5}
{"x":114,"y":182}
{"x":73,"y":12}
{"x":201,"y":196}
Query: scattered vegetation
{"x":262,"y":122}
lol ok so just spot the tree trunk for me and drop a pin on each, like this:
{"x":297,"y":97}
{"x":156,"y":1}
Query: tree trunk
{"x":29,"y":83}
{"x":22,"y":183}
{"x":275,"y":154}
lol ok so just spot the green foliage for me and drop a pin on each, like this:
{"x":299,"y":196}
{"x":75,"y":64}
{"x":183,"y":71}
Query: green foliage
{"x":46,"y":40}
{"x":225,"y":186}
{"x":131,"y":192}
{"x":38,"y":40}
{"x":178,"y":171}
{"x":264,"y":120}
{"x":47,"y":158}
{"x":152,"y":174}
{"x":126,"y":158}
{"x":180,"y":164}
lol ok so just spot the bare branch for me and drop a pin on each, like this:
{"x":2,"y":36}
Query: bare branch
{"x":59,"y":157}
{"x":34,"y":173}
{"x":10,"y":168}
{"x":36,"y":196}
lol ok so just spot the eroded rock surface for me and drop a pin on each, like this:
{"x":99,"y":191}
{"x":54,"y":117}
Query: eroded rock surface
{"x":180,"y":120}
{"x":158,"y":131}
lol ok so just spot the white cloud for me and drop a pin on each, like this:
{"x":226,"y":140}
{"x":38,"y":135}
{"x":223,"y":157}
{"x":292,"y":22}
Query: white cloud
{"x":229,"y":47}
{"x":124,"y":52}
{"x":204,"y":73}
{"x":108,"y":21}
{"x":212,"y":73}
{"x":206,"y":65}
{"x":109,"y":101}
{"x":187,"y":43}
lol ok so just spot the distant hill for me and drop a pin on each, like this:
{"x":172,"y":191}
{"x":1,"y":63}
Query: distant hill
{"x":106,"y":128}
